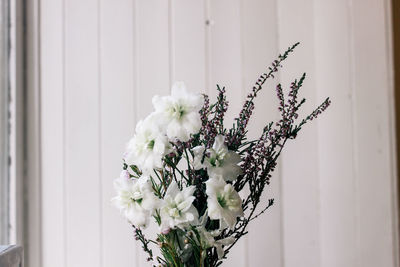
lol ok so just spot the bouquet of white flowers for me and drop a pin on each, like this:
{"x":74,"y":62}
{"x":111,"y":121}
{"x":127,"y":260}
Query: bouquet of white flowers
{"x":185,"y":170}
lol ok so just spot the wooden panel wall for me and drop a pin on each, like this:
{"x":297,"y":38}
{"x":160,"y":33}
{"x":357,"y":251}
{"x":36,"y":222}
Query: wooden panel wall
{"x":117,"y":70}
{"x":103,"y":60}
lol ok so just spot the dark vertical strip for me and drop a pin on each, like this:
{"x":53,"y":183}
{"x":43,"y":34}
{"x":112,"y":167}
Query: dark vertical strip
{"x":6,"y":108}
{"x":31,"y":143}
{"x":24,"y":127}
{"x":396,"y":63}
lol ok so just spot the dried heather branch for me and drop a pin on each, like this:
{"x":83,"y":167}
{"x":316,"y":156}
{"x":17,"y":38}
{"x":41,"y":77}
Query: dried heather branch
{"x":237,"y":134}
{"x":145,"y":242}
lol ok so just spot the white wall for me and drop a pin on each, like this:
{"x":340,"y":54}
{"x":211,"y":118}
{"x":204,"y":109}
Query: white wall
{"x":103,"y":60}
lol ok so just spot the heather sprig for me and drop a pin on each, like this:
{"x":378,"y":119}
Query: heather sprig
{"x":238,"y":132}
{"x":145,"y":242}
{"x":212,"y":117}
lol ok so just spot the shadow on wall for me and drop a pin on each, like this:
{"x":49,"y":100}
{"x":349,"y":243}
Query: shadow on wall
{"x":396,"y":63}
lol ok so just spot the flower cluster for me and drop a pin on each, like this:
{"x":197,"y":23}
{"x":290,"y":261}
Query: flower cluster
{"x":185,"y":170}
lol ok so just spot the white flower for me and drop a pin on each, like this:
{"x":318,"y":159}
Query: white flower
{"x":148,"y":146}
{"x":207,"y":238}
{"x":223,"y":202}
{"x":135,"y":199}
{"x":198,"y":153}
{"x":219,"y":160}
{"x":179,"y":112}
{"x":177,"y":209}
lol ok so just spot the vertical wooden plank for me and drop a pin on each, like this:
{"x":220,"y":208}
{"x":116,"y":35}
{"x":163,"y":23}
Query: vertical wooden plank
{"x":32,"y":150}
{"x":5,"y":218}
{"x":372,"y":105}
{"x":82,"y":169}
{"x":225,"y":64}
{"x":300,"y":185}
{"x":117,"y":90}
{"x":17,"y":124}
{"x":338,"y":192}
{"x":153,"y":53}
{"x":153,"y":73}
{"x":259,"y":24}
{"x":188,"y":43}
{"x":225,"y":69}
{"x":52,"y":133}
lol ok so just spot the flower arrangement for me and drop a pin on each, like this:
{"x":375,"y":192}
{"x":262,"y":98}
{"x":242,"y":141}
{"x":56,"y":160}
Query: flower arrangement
{"x":185,"y":170}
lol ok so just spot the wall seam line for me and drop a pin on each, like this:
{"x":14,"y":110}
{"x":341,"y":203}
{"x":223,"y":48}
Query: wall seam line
{"x":207,"y":46}
{"x":171,"y":52}
{"x":318,"y":169}
{"x":99,"y":116}
{"x":136,"y":86}
{"x":65,"y":228}
{"x":242,"y":96}
{"x":280,"y":161}
{"x":354,"y":132}
{"x":39,"y":132}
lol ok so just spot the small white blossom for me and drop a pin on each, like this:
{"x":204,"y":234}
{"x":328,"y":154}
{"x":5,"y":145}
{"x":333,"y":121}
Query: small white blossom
{"x":135,"y":199}
{"x":223,"y":202}
{"x":148,"y":146}
{"x":198,"y":153}
{"x":219,"y":160}
{"x":179,"y":112}
{"x":177,"y":209}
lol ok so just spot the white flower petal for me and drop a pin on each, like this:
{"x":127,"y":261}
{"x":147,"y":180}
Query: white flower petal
{"x":177,"y":209}
{"x":172,"y":189}
{"x":221,"y":161}
{"x":180,"y":112}
{"x":198,"y":152}
{"x":148,"y":146}
{"x":223,"y":202}
{"x":135,"y":199}
{"x":220,"y":251}
{"x":219,"y":142}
